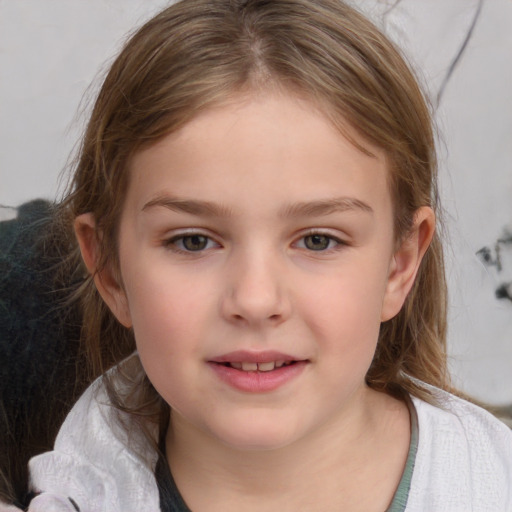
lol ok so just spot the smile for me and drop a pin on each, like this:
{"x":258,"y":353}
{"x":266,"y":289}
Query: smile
{"x":257,"y":372}
{"x":247,"y":366}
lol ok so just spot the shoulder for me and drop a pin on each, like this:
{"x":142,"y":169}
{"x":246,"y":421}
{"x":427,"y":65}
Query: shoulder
{"x":464,"y":458}
{"x":95,"y":462}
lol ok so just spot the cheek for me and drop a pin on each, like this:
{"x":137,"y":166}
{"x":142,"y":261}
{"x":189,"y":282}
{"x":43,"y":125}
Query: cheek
{"x":166,"y":343}
{"x":166,"y":313}
{"x":164,"y":317}
{"x":345,"y":310}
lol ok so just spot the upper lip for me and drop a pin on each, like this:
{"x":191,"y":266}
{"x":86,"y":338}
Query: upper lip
{"x":245,"y":356}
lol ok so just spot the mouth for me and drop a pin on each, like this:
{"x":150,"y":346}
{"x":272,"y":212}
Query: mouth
{"x":248,"y":366}
{"x":262,"y":361}
{"x":261,"y":372}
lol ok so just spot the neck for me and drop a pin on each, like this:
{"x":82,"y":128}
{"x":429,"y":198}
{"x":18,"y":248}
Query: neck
{"x":329,"y":467}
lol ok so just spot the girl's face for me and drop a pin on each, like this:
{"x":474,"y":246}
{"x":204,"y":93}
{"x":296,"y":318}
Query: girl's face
{"x":258,"y":260}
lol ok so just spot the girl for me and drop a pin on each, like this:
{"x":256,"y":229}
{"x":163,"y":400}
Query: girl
{"x":254,"y":203}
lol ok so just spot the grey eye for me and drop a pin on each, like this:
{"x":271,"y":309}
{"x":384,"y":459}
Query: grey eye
{"x":317,"y":242}
{"x":194,"y":242}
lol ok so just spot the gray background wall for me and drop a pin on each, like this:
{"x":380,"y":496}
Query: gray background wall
{"x":51,"y":51}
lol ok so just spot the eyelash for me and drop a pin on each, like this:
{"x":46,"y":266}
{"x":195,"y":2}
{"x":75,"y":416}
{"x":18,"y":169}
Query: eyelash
{"x":330,"y":238}
{"x":175,"y":242}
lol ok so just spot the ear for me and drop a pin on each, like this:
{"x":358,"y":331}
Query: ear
{"x":107,"y":283}
{"x":406,"y":262}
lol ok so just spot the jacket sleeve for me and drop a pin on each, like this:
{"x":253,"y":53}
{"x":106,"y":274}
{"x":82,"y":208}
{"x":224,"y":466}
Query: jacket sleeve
{"x":96,"y":466}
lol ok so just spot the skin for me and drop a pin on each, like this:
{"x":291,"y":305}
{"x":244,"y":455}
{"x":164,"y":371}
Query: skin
{"x":266,"y":166}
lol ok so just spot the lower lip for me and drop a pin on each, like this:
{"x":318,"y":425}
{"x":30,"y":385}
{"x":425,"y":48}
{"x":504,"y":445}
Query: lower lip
{"x":255,"y":381}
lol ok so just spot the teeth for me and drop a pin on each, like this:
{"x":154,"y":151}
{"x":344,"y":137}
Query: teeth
{"x":249,"y":367}
{"x":262,"y":367}
{"x":266,"y":367}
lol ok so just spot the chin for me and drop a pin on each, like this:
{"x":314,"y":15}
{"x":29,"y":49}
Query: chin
{"x":257,"y":436}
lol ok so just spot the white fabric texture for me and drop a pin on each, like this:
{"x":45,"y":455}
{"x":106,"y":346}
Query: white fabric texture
{"x":464,"y":459}
{"x":463,"y":462}
{"x":96,"y":463}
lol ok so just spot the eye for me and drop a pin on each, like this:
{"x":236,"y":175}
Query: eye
{"x":191,"y":243}
{"x":318,"y":242}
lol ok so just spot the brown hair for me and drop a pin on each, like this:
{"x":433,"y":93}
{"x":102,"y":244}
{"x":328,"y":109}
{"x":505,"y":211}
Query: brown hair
{"x":195,"y":54}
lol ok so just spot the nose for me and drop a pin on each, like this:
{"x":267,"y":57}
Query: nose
{"x":256,"y":294}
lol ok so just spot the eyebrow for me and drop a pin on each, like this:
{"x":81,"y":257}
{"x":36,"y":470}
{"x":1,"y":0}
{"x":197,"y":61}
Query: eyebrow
{"x":326,"y":207}
{"x":301,"y":209}
{"x":194,"y":207}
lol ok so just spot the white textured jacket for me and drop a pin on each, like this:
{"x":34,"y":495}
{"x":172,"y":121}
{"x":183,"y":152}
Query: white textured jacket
{"x":463,"y":462}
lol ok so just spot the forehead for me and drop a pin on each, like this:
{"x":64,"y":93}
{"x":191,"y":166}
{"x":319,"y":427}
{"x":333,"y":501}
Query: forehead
{"x":258,"y":147}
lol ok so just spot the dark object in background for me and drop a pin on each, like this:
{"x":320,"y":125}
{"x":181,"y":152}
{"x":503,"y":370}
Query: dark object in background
{"x":42,"y":368}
